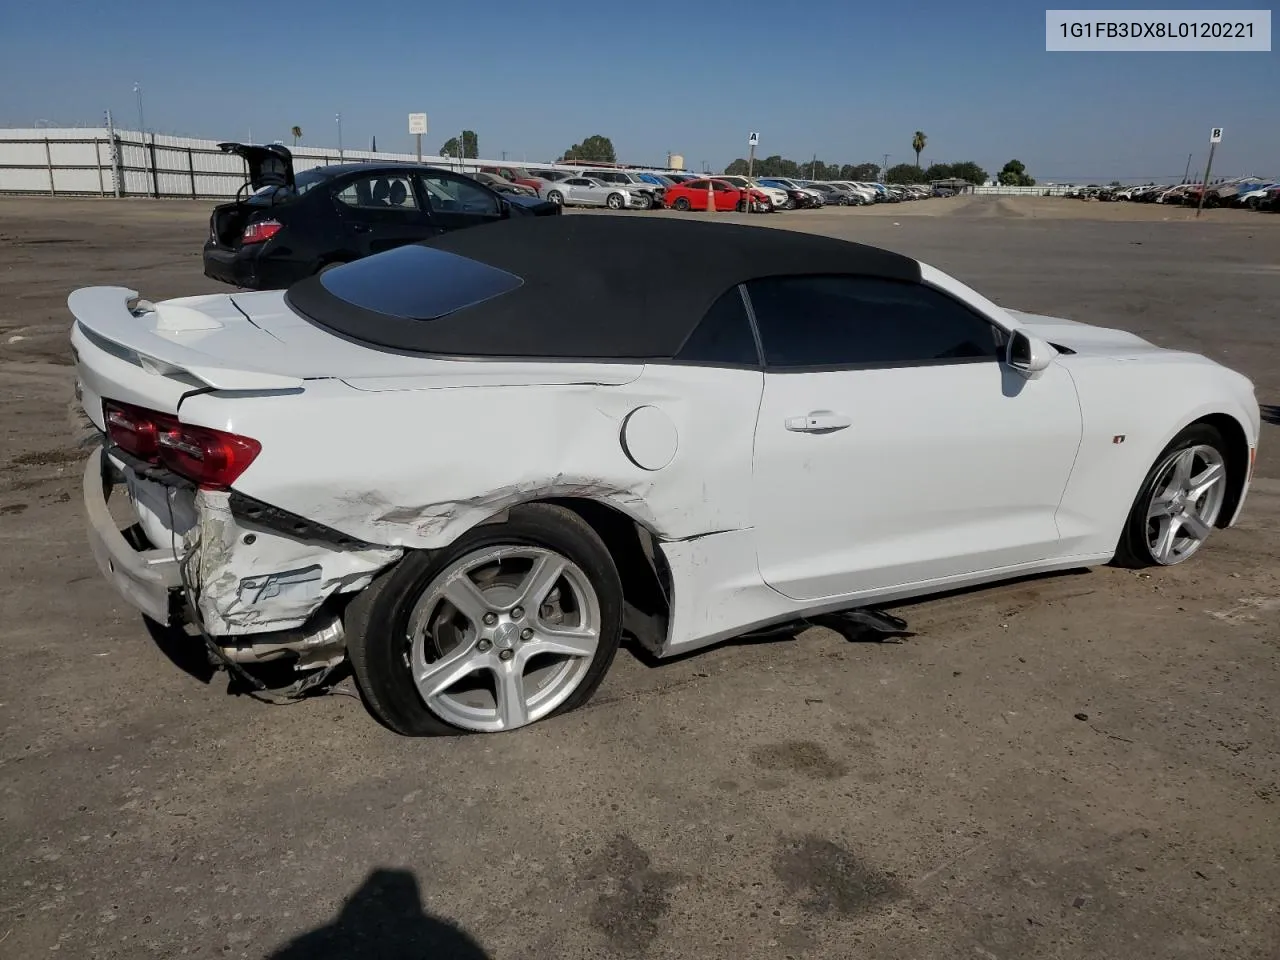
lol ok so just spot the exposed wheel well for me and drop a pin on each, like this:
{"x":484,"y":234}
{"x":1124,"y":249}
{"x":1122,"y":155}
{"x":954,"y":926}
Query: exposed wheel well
{"x":1237,"y":461}
{"x":642,"y":568}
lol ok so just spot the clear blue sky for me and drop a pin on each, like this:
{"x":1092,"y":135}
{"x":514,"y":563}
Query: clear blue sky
{"x":847,"y":81}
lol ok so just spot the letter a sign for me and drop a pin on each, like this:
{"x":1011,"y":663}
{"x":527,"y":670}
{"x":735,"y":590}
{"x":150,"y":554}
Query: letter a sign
{"x":753,"y":139}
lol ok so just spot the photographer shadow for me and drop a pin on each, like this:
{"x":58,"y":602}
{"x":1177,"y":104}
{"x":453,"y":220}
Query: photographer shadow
{"x":384,"y":919}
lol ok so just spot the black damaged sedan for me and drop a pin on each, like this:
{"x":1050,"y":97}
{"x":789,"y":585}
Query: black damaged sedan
{"x":284,"y":226}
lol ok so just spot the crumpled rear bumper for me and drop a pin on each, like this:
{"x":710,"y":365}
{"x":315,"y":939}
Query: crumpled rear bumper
{"x":244,"y":578}
{"x":147,"y":578}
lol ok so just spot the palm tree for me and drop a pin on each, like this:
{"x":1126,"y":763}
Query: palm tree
{"x":917,"y":144}
{"x":297,"y":135}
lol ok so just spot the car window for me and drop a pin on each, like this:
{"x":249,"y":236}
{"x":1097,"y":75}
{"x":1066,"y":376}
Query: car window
{"x":578,"y":182}
{"x":825,"y":321}
{"x":695,"y":184}
{"x":452,"y":194}
{"x":379,"y":192}
{"x":723,"y":337}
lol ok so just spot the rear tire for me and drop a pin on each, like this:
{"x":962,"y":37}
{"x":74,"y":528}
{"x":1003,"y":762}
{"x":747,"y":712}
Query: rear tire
{"x":614,"y":201}
{"x":682,"y":204}
{"x":1170,"y":501}
{"x":389,"y":645}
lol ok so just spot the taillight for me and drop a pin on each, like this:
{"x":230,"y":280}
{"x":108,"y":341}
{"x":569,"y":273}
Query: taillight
{"x":214,"y":459}
{"x":260,"y":231}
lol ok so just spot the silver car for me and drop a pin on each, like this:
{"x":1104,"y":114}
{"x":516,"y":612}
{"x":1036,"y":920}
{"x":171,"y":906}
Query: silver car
{"x":590,"y":192}
{"x":629,"y":181}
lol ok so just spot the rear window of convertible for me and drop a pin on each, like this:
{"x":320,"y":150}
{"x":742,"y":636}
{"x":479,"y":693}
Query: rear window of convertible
{"x":417,"y":283}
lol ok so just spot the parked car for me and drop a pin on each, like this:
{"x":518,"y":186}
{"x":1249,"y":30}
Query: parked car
{"x":503,"y":185}
{"x":582,"y":191}
{"x":797,"y":196}
{"x":466,"y":466}
{"x":816,"y":198}
{"x":835,"y":194}
{"x":284,"y":226}
{"x":692,"y":195}
{"x":777,"y":195}
{"x":644,"y":188}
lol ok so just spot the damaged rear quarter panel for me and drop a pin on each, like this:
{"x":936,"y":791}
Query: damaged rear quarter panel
{"x":418,"y":467}
{"x":252,"y":580}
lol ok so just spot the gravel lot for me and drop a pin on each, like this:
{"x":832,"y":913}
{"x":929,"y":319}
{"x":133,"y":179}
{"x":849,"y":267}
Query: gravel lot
{"x":1075,"y":766}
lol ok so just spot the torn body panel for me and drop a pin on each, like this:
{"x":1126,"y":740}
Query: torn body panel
{"x":242,"y":578}
{"x":249,"y":579}
{"x":417,"y":467}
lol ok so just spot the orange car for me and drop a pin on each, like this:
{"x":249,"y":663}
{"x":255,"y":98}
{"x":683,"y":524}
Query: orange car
{"x":692,"y":195}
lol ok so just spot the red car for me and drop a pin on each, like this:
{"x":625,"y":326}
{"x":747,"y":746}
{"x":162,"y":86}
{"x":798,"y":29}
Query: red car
{"x":692,"y":195}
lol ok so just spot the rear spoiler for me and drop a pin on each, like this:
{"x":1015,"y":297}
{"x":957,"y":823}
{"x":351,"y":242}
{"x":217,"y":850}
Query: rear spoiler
{"x":153,"y":337}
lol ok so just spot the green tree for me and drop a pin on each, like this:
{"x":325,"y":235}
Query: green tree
{"x":470,"y":146}
{"x":970,"y":171}
{"x":904,"y":173}
{"x":297,"y":134}
{"x":917,"y":144}
{"x":1014,"y":174}
{"x":594,"y":149}
{"x":859,"y":172}
{"x":738,"y":168}
{"x":940,"y":171}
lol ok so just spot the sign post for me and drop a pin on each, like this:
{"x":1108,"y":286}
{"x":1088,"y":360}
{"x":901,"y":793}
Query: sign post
{"x":1215,"y":138}
{"x":417,"y":127}
{"x":752,"y":139}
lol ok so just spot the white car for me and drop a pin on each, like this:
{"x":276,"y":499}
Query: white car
{"x":777,"y":198}
{"x":468,"y":465}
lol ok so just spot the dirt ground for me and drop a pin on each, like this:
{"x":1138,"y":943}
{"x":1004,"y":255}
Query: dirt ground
{"x":1075,"y":766}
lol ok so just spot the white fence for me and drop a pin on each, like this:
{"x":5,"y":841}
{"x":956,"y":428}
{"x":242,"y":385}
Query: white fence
{"x":95,"y":161}
{"x":100,"y":162}
{"x":1054,"y":190}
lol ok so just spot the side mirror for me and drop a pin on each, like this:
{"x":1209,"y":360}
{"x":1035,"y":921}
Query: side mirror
{"x":1028,"y":355}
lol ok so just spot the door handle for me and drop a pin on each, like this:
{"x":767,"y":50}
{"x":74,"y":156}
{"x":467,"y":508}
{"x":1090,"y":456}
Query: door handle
{"x":363,"y":228}
{"x":818,"y":421}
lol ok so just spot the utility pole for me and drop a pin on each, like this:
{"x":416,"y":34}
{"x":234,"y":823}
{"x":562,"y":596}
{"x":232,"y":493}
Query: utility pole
{"x":137,"y":89}
{"x":884,"y":171}
{"x":115,"y":154}
{"x":813,"y":166}
{"x":1186,"y":174}
{"x":1215,"y":137}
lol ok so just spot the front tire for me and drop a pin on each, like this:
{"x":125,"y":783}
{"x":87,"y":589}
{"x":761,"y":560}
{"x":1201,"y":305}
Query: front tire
{"x":1179,"y":502}
{"x":556,"y":197}
{"x":511,"y":624}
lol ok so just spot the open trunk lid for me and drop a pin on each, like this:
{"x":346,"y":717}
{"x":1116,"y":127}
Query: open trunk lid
{"x":269,"y":170}
{"x":270,"y":165}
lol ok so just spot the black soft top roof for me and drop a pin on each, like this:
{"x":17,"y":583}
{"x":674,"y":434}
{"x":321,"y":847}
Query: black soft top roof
{"x":568,"y":287}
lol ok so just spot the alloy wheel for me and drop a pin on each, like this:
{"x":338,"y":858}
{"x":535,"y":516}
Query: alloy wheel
{"x":502,"y":637}
{"x":1186,"y":498}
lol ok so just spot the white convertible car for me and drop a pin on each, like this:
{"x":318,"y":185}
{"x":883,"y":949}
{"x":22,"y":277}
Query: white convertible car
{"x":467,"y":466}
